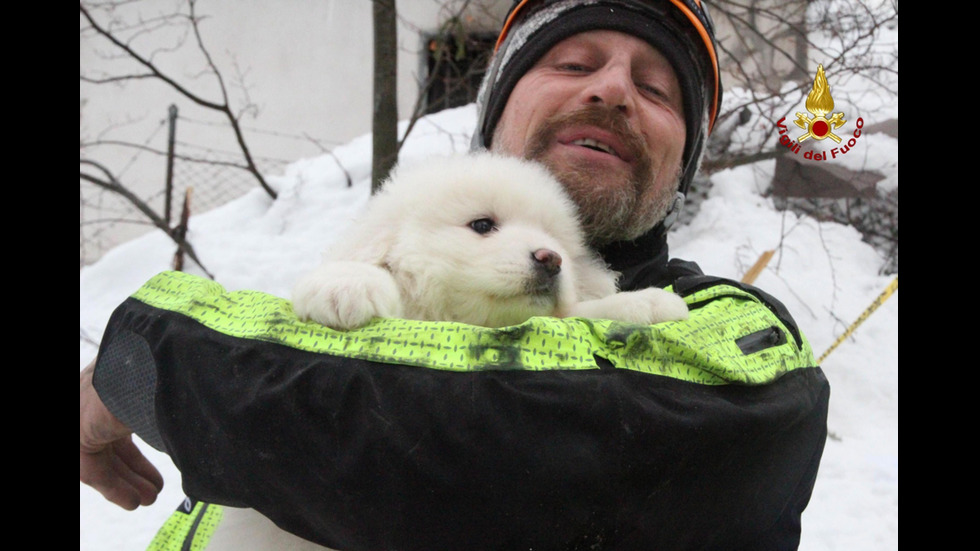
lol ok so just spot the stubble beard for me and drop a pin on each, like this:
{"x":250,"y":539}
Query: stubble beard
{"x":609,"y":211}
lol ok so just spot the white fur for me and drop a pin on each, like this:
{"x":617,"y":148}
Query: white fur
{"x":247,"y":530}
{"x":413,"y":254}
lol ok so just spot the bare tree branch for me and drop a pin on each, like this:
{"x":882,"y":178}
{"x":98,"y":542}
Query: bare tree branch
{"x":222,"y":107}
{"x":109,"y":182}
{"x":419,"y":109}
{"x":178,"y":156}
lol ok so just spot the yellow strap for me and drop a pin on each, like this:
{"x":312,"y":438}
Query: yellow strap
{"x":189,"y":528}
{"x":703,"y":349}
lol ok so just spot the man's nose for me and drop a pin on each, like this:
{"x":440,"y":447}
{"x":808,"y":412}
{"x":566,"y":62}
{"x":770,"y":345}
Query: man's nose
{"x":612,"y":86}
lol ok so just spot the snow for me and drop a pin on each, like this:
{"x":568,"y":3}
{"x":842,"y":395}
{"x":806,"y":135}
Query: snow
{"x":822,"y":271}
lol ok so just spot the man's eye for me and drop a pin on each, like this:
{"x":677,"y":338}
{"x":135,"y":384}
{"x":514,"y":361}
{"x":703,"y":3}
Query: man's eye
{"x":483,"y":225}
{"x":652,"y":90}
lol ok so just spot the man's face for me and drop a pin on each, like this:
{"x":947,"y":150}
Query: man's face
{"x":603,"y":111}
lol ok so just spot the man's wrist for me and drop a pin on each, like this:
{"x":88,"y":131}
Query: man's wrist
{"x":98,"y":427}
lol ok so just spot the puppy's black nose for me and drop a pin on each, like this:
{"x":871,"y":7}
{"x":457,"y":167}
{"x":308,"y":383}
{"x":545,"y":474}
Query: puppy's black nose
{"x":547,"y":260}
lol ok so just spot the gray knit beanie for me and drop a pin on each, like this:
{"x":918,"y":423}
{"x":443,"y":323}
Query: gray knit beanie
{"x":680,"y":29}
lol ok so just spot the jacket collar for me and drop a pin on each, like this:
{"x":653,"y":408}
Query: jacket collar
{"x":641,"y":262}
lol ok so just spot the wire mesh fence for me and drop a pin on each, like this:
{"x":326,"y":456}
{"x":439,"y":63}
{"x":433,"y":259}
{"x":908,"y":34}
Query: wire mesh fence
{"x":159,"y":171}
{"x":214,"y":177}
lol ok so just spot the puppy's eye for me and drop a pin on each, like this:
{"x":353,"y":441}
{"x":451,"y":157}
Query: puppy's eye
{"x":483,"y":225}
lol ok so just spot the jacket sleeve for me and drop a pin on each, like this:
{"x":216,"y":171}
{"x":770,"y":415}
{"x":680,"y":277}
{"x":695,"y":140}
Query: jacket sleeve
{"x":555,"y":434}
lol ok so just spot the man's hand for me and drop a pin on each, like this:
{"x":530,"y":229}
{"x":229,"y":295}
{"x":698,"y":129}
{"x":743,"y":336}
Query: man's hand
{"x":109,"y":460}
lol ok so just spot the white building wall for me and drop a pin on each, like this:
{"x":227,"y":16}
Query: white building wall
{"x":307,"y":68}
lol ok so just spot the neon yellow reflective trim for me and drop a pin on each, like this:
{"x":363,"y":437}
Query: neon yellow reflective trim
{"x":702,"y":349}
{"x":188,"y":530}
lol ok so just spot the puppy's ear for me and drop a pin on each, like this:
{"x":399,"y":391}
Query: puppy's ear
{"x":370,"y":237}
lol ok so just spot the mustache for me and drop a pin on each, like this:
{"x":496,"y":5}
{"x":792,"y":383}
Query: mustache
{"x":609,"y":118}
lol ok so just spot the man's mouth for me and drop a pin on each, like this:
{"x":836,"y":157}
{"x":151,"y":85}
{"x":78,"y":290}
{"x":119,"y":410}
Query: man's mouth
{"x":596,"y":132}
{"x":599,"y":140}
{"x":596,"y":145}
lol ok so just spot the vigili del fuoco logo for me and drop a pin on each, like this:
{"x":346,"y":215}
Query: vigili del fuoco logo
{"x":819,"y":127}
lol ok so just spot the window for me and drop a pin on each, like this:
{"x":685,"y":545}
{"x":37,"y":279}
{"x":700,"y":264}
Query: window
{"x":455,"y":65}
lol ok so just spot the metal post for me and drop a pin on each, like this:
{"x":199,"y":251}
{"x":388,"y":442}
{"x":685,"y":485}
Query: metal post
{"x":172,"y":112}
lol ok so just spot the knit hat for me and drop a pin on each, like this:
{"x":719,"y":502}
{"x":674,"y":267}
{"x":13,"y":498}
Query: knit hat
{"x":680,"y":29}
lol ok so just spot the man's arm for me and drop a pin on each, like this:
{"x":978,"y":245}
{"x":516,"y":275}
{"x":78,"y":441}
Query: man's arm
{"x":331,"y":434}
{"x":109,"y":461}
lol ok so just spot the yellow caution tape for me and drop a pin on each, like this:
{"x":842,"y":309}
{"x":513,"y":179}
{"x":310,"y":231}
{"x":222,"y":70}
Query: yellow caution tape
{"x":892,"y":287}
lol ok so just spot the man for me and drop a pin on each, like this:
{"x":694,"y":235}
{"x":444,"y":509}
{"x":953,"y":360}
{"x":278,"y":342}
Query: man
{"x":616,"y":97}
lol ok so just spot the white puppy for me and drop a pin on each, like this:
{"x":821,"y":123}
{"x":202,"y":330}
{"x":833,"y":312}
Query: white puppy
{"x":479,"y":239}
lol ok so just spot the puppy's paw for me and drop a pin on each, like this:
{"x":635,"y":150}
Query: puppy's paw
{"x":646,"y":306}
{"x":656,"y":306}
{"x":346,"y":295}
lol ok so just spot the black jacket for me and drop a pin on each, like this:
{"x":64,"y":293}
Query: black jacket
{"x":361,"y":454}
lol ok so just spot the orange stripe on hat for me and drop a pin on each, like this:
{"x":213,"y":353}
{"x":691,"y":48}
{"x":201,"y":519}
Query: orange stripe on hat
{"x":506,"y":28}
{"x":706,"y":38}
